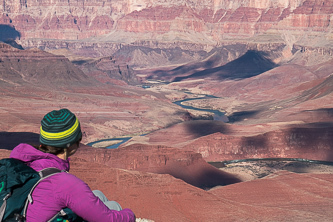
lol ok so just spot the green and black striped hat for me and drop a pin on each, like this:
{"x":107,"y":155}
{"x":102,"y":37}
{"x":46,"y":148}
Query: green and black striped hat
{"x":60,"y":128}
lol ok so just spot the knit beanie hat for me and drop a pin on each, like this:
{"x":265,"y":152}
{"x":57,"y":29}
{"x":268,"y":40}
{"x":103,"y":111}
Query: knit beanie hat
{"x":60,"y":128}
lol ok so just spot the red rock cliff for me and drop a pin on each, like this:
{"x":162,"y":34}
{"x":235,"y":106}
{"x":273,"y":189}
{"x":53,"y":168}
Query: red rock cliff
{"x":204,"y":21}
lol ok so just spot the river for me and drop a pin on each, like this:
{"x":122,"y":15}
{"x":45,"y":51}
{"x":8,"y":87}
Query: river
{"x":217,"y":115}
{"x":113,"y":146}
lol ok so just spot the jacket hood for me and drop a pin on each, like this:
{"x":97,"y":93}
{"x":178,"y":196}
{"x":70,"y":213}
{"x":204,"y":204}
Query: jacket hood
{"x":37,"y":159}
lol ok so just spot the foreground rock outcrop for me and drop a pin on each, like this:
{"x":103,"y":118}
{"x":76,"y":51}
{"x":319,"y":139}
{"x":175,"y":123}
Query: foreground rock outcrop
{"x":185,"y":165}
{"x":164,"y":198}
{"x":161,"y":197}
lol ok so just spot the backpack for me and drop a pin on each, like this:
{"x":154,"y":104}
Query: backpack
{"x":17,"y":182}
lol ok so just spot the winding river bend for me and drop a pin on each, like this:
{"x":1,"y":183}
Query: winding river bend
{"x":113,"y":146}
{"x":217,"y":115}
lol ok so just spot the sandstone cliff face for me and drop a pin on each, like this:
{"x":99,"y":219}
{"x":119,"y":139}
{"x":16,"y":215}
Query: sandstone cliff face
{"x":63,"y":20}
{"x":298,"y":142}
{"x":202,"y":22}
{"x":220,"y":141}
{"x":185,"y":165}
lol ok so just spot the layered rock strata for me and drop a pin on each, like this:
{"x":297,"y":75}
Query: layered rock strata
{"x":206,"y":22}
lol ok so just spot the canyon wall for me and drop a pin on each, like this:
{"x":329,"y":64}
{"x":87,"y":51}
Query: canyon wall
{"x":200,"y":22}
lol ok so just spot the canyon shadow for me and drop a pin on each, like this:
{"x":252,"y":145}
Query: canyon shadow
{"x":9,"y":140}
{"x":8,"y":33}
{"x":252,"y":63}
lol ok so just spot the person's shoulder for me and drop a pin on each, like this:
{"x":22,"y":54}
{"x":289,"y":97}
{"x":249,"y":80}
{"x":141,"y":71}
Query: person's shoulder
{"x":65,"y":178}
{"x":64,"y":184}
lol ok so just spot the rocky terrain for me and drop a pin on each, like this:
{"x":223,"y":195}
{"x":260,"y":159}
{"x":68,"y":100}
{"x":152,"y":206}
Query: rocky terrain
{"x":34,"y":82}
{"x":120,"y":65}
{"x":288,"y":190}
{"x":262,"y":121}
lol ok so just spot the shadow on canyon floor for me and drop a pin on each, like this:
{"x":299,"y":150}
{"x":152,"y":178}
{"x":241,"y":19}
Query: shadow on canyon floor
{"x":189,"y":68}
{"x":240,"y":116}
{"x":259,"y":142}
{"x":80,"y":62}
{"x":200,"y":128}
{"x":312,"y":136}
{"x":209,"y":178}
{"x":218,"y":56}
{"x":8,"y":140}
{"x":326,"y":112}
{"x":309,"y":141}
{"x":9,"y":34}
{"x":250,"y":64}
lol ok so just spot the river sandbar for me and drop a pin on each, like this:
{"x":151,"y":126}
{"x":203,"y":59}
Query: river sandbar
{"x":104,"y":144}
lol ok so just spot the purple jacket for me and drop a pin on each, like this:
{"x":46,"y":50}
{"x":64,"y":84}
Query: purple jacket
{"x":63,"y":190}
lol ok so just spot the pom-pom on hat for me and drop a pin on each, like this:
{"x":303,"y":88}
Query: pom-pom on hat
{"x":60,"y":128}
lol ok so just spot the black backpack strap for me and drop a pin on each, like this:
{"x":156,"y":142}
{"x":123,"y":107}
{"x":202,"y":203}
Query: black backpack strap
{"x":45,"y":173}
{"x":2,"y":209}
{"x":3,"y":206}
{"x":49,"y":172}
